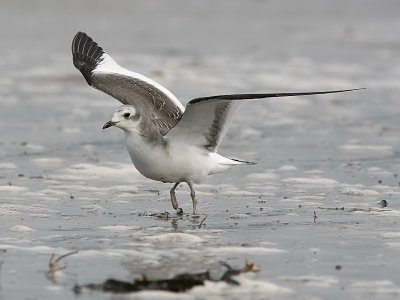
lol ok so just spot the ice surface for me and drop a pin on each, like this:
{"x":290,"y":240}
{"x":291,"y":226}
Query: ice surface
{"x":308,"y":213}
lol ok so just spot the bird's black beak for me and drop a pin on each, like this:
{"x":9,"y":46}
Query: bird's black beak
{"x":109,"y":124}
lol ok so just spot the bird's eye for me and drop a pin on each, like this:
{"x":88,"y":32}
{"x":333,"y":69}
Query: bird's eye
{"x":127,"y":115}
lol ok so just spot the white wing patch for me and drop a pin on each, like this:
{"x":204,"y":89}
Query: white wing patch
{"x":109,"y":66}
{"x":152,"y":100}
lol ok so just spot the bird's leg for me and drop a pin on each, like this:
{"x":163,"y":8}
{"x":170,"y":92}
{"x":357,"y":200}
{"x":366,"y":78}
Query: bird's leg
{"x":193,"y":195}
{"x":173,"y":199}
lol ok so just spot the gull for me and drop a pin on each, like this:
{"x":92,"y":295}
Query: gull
{"x":166,"y":141}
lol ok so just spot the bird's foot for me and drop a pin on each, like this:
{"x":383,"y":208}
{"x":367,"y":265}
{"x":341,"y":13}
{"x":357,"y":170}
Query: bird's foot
{"x":179,"y":211}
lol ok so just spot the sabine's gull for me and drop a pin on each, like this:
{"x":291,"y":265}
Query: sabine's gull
{"x":166,"y":141}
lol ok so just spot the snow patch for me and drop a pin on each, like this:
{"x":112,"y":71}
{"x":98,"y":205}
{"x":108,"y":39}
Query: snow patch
{"x":310,"y":181}
{"x":124,"y":172}
{"x":391,"y":235}
{"x":16,"y":209}
{"x":360,"y":193}
{"x":118,"y":227}
{"x":313,"y":280}
{"x":8,"y":166}
{"x":94,"y":208}
{"x":263,"y":176}
{"x":47,"y":161}
{"x":362,"y":149}
{"x":12,"y":189}
{"x":248,"y":289}
{"x":21,"y":228}
{"x":287,"y":168}
{"x":175,"y":238}
{"x":34,"y":149}
{"x":226,"y":250}
{"x":239,"y":216}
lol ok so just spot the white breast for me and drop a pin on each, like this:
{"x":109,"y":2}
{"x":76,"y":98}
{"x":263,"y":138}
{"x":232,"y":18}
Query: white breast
{"x":173,"y":162}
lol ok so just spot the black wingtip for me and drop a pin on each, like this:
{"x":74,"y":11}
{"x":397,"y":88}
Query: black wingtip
{"x":269,"y":95}
{"x":86,"y":54}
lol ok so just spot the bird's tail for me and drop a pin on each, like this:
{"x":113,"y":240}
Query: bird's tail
{"x":222,"y":163}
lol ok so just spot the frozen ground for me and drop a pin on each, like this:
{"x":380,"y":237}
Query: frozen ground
{"x":66,"y":185}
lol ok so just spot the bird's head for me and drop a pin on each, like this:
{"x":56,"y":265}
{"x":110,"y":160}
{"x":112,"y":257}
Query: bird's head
{"x":125,"y":117}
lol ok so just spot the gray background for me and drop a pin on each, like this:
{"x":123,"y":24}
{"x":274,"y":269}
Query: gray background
{"x":73,"y":188}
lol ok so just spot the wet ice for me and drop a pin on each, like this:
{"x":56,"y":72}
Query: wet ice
{"x":65,"y":185}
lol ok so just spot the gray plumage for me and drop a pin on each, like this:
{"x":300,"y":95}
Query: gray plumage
{"x":150,"y":99}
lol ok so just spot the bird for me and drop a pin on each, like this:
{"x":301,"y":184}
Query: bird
{"x":166,"y":141}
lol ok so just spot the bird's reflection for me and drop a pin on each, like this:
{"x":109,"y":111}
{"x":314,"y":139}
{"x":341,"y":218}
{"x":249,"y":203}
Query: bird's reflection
{"x":179,"y":221}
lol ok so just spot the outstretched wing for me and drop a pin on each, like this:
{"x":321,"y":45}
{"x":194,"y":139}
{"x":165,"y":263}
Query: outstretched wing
{"x":101,"y":72}
{"x":207,"y":119}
